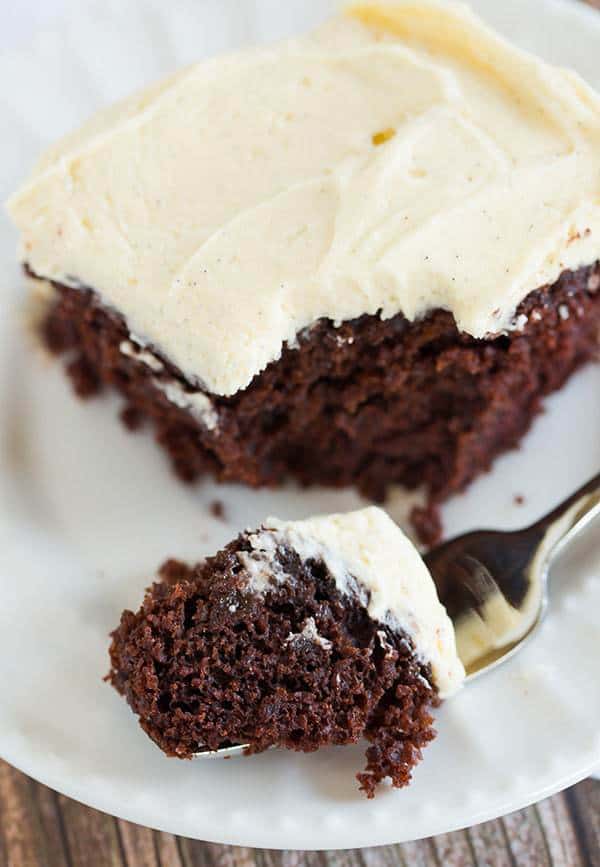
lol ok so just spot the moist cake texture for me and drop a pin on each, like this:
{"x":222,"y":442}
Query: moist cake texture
{"x":300,"y":634}
{"x":358,"y":257}
{"x":369,"y":403}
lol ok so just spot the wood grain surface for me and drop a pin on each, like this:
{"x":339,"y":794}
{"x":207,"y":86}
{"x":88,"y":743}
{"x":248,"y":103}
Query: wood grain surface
{"x":39,"y":828}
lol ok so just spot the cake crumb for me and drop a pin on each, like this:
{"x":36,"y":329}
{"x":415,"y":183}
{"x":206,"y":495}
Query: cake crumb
{"x":217,"y":510}
{"x":428,"y":523}
{"x":131,"y":417}
{"x":84,"y":378}
{"x":518,"y":499}
{"x":174,"y":571}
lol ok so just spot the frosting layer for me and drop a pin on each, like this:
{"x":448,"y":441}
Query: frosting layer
{"x":402,"y":158}
{"x":368,"y":556}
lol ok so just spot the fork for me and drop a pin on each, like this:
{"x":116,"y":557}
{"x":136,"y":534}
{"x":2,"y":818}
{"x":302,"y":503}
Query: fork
{"x":494,"y":584}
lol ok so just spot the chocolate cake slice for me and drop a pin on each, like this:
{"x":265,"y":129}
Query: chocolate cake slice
{"x":298,"y":635}
{"x":361,"y":257}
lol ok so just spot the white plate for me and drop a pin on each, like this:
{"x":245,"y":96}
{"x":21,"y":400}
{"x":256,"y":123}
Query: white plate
{"x":87,"y":511}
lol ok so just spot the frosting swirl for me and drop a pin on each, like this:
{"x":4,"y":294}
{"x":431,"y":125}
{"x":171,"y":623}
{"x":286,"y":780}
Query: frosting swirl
{"x":401,"y":158}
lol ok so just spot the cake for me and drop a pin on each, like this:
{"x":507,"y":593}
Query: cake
{"x":360,"y":257}
{"x":300,"y":634}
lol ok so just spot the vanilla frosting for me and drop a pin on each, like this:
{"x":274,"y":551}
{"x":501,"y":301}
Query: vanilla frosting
{"x":371,"y":558}
{"x":402,"y":158}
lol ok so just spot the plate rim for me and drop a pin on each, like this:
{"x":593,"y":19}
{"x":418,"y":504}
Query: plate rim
{"x":268,"y":841}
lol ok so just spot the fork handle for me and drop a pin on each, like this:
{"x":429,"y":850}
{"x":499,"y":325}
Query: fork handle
{"x":571,"y":517}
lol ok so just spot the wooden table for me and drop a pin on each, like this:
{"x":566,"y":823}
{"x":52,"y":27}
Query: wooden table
{"x":39,"y":827}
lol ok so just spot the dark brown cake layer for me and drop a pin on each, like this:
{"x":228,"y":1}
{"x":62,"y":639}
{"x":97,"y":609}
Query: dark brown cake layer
{"x":205,"y":663}
{"x":369,"y":404}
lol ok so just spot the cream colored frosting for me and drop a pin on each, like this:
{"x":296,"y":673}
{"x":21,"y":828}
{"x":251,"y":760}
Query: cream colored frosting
{"x":368,"y":556}
{"x":402,"y":158}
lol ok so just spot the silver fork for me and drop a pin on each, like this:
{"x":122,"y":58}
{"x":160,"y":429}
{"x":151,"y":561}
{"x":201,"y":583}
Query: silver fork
{"x":494,"y":584}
